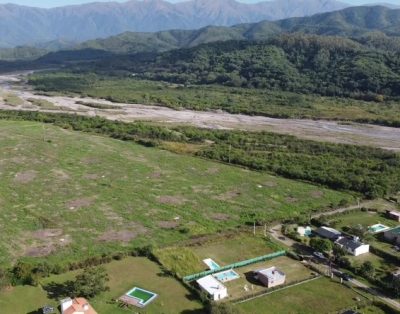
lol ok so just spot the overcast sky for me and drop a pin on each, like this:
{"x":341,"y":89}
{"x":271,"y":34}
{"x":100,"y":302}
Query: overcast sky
{"x":55,"y":3}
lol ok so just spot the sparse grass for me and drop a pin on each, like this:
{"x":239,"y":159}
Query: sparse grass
{"x":100,"y":195}
{"x":13,"y":100}
{"x":97,"y":105}
{"x":43,"y":103}
{"x":124,"y":275}
{"x":321,"y":296}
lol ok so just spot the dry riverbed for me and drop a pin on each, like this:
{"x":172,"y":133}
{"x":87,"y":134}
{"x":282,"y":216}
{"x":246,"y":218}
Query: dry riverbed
{"x":22,"y":98}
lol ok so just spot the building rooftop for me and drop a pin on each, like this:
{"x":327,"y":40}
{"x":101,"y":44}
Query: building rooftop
{"x":328,"y":232}
{"x":394,"y":213}
{"x":271,"y":273}
{"x":79,"y":305}
{"x":210,"y":284}
{"x":349,"y":243}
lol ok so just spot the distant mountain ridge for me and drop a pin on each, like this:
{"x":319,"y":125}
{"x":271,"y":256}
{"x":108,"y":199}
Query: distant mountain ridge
{"x":349,"y":22}
{"x":21,"y":25}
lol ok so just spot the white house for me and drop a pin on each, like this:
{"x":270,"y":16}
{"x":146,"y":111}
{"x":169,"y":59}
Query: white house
{"x":304,"y":231}
{"x":215,"y":289}
{"x":353,"y":245}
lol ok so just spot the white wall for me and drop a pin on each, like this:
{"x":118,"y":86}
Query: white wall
{"x":361,"y":250}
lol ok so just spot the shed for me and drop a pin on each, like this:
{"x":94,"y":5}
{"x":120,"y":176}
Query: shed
{"x":393,"y":235}
{"x":215,"y":289}
{"x":270,"y":277}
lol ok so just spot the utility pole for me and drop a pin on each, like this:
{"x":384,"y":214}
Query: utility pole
{"x":254,"y":228}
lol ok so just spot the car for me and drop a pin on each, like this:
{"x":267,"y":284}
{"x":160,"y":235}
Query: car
{"x":319,"y":254}
{"x":346,"y":277}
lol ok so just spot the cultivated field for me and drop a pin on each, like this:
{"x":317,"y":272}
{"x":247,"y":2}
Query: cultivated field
{"x":70,"y":195}
{"x":124,"y":275}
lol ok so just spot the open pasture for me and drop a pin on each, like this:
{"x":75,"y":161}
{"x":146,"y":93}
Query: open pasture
{"x":69,"y":195}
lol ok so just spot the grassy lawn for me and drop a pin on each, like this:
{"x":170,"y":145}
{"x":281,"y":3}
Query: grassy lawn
{"x":365,"y":219}
{"x":68,"y":195}
{"x":294,"y":271}
{"x":124,"y":275}
{"x":228,"y":251}
{"x":321,"y":296}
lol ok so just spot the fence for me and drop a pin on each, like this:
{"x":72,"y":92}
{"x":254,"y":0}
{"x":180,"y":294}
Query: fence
{"x":235,"y":265}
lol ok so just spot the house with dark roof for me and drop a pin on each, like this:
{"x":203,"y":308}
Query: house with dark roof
{"x":353,"y":245}
{"x":329,"y":233}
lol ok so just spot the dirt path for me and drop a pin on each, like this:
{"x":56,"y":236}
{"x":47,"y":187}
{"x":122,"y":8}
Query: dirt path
{"x":359,"y":134}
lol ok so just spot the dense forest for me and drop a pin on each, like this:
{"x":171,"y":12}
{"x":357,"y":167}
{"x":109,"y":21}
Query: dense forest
{"x":299,"y":63}
{"x":370,"y":171}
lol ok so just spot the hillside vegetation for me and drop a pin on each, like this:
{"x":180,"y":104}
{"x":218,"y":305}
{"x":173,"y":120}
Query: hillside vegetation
{"x":299,"y":63}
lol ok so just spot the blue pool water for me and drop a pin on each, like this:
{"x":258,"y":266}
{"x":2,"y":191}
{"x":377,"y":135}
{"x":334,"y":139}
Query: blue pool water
{"x":227,"y":275}
{"x":211,"y":264}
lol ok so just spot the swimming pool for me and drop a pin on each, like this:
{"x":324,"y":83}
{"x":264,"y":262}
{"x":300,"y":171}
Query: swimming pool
{"x":377,"y":228}
{"x":226,"y":275}
{"x":142,"y":297}
{"x":211,"y":264}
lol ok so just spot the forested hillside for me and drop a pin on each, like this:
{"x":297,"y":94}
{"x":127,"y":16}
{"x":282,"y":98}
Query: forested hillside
{"x":330,"y":66}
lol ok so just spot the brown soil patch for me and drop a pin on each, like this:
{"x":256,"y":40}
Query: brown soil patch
{"x":44,"y":234}
{"x":220,"y":216}
{"x":61,"y":174}
{"x":228,"y":195}
{"x":91,"y":176}
{"x":172,"y":200}
{"x":317,"y":194}
{"x":89,"y":160}
{"x":125,"y":235}
{"x":80,"y":202}
{"x":291,"y":199}
{"x":155,"y":175}
{"x":40,"y":251}
{"x":25,"y":177}
{"x":270,"y":184}
{"x":168,"y":224}
{"x":212,"y":170}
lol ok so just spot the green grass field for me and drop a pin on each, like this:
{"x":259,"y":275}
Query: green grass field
{"x":318,"y":296}
{"x":130,"y":272}
{"x":67,"y":195}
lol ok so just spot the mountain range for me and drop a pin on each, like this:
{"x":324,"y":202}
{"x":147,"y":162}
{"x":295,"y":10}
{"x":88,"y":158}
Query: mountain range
{"x":22,"y":25}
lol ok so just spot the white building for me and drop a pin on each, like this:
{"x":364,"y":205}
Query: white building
{"x":304,"y":231}
{"x":270,"y":277}
{"x":215,"y":289}
{"x":76,"y":306}
{"x":353,"y":245}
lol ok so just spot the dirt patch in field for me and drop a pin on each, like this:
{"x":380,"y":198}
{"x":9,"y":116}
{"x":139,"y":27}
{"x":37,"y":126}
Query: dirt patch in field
{"x":317,"y":194}
{"x":172,"y":200}
{"x":212,"y":170}
{"x":220,"y":216}
{"x":291,"y":200}
{"x":80,"y":203}
{"x":131,"y":231}
{"x":44,"y":234}
{"x":25,"y":177}
{"x":91,"y":176}
{"x":229,"y":195}
{"x":40,"y":251}
{"x":89,"y":160}
{"x":270,"y":184}
{"x":155,"y":175}
{"x":168,"y":224}
{"x":60,"y":174}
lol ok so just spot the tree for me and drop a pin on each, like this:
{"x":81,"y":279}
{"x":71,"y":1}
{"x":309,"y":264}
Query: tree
{"x":321,"y":245}
{"x":367,"y":269}
{"x":91,"y":282}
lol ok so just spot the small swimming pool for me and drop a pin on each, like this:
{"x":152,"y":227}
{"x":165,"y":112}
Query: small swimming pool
{"x":211,"y":264}
{"x":226,"y":275}
{"x":377,"y":228}
{"x":143,"y":296}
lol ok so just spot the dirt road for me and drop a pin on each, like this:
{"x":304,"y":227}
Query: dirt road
{"x":359,"y":134}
